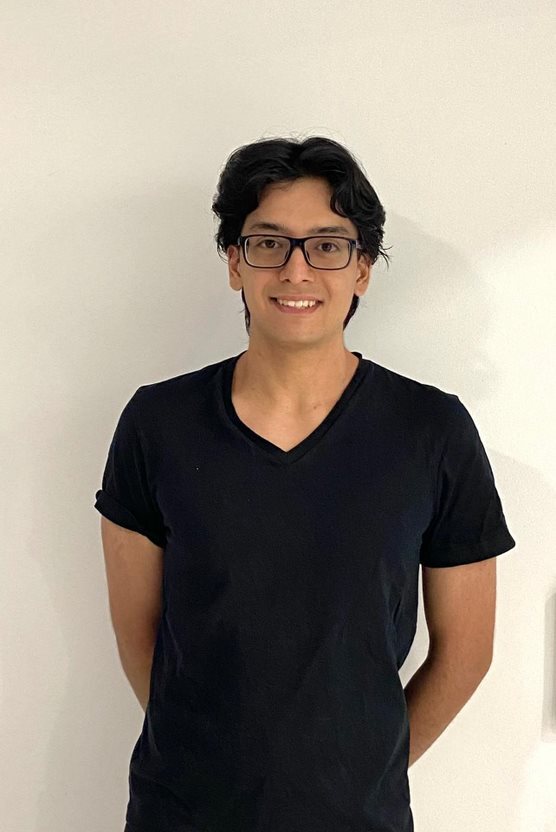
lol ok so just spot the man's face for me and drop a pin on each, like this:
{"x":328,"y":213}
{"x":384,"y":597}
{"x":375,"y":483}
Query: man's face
{"x":296,"y":208}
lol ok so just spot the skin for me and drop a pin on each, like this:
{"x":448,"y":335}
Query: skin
{"x":296,"y":365}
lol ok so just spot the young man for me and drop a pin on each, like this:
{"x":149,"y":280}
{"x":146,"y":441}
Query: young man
{"x":265,"y":518}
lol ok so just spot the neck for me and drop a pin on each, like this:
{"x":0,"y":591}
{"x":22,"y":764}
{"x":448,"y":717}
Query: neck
{"x":294,"y":382}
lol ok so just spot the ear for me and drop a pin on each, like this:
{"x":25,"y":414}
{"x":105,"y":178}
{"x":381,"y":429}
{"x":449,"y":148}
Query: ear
{"x":233,"y":264}
{"x":364,"y":269}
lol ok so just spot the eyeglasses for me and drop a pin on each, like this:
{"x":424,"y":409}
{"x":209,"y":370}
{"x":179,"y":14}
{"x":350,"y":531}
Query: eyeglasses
{"x":271,"y":252}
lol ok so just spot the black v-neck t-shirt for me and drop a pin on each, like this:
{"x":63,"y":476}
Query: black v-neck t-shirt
{"x":290,"y":593}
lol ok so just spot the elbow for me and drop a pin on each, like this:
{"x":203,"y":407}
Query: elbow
{"x":473,"y":662}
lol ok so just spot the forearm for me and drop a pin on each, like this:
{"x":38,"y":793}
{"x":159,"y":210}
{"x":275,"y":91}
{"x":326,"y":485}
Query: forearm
{"x":137,"y":665}
{"x":436,"y":692}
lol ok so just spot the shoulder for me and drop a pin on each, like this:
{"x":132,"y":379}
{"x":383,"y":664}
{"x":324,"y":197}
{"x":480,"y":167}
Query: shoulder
{"x":153,"y":400}
{"x":425,"y":404}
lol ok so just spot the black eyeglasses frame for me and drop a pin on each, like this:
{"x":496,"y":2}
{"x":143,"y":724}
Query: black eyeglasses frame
{"x":300,"y":241}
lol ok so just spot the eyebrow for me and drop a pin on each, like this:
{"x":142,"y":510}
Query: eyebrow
{"x":321,"y":229}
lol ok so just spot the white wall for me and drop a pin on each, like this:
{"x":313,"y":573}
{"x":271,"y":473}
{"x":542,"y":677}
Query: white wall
{"x":116,"y":119}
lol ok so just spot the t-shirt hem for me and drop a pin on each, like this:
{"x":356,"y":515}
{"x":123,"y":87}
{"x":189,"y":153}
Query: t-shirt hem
{"x":106,"y":505}
{"x":495,"y":544}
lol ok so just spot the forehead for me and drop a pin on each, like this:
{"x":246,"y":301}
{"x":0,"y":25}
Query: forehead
{"x":299,"y":208}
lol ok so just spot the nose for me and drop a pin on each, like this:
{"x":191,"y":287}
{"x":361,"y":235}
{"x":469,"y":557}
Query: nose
{"x":297,"y":266}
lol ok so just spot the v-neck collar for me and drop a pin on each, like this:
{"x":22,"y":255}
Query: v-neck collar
{"x":268,"y":447}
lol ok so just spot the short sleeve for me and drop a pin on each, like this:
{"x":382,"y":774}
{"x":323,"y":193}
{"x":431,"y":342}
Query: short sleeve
{"x":126,"y":493}
{"x":468,"y":523}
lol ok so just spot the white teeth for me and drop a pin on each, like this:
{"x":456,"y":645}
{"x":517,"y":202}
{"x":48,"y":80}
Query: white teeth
{"x":300,"y":303}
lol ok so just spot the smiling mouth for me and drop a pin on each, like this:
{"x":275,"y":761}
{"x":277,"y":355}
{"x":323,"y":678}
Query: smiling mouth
{"x":316,"y":302}
{"x":296,"y":311}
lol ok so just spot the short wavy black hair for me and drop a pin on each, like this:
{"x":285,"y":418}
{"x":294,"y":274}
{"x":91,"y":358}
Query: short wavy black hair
{"x":251,"y":167}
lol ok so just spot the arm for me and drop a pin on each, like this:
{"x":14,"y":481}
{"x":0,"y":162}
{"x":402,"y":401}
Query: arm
{"x":460,"y":603}
{"x":134,"y":568}
{"x":436,"y":692}
{"x":137,"y":667}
